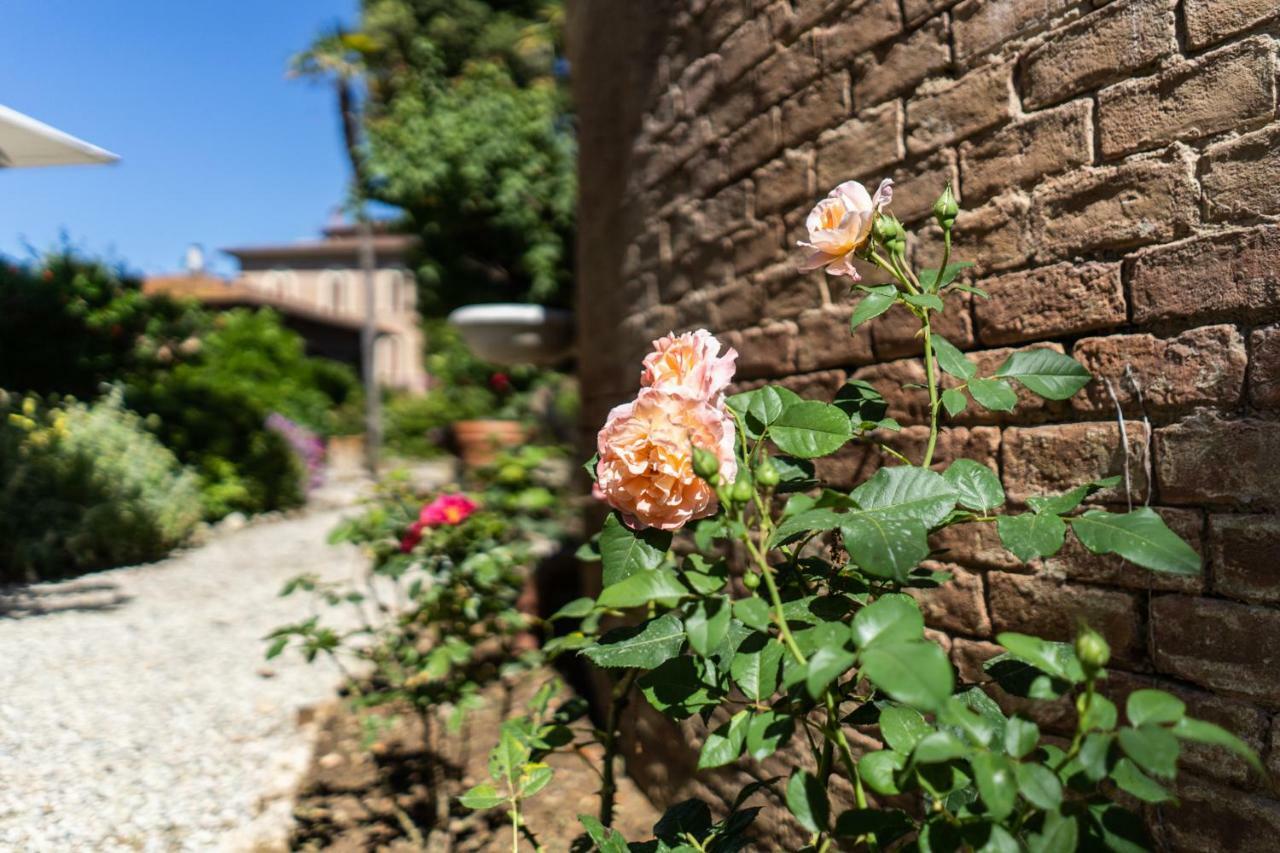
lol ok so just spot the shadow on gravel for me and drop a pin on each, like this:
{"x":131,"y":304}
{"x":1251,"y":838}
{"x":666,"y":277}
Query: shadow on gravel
{"x":19,"y":602}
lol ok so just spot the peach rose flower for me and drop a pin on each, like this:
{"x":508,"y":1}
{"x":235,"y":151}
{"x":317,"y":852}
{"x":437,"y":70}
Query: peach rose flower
{"x":840,"y":225}
{"x":646,"y":458}
{"x":690,"y":363}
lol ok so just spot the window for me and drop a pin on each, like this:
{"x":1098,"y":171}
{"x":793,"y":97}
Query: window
{"x":334,"y":291}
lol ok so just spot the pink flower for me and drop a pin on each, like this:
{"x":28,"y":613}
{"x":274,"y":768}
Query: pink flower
{"x":646,"y":458}
{"x":840,"y":225}
{"x":689,"y":364}
{"x":447,"y":510}
{"x":412,"y":537}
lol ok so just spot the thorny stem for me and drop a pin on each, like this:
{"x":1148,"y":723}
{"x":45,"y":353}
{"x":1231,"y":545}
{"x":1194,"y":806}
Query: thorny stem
{"x":608,"y":786}
{"x":931,"y":376}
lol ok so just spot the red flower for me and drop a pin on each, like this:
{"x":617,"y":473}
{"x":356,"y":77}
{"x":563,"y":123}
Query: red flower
{"x":447,"y":510}
{"x":500,"y":382}
{"x":412,"y":537}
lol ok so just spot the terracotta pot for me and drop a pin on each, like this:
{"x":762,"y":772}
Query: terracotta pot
{"x":481,"y":440}
{"x":344,"y":456}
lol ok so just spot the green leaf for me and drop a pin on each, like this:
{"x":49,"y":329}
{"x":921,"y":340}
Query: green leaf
{"x":860,"y":400}
{"x":952,"y":360}
{"x":661,"y":584}
{"x":907,"y":492}
{"x":976,"y":486}
{"x":756,"y":666}
{"x":890,"y":618}
{"x":902,"y":727}
{"x":932,"y":282}
{"x":680,"y":687}
{"x":994,"y":394}
{"x":1031,"y":535}
{"x":1020,"y":736}
{"x":1132,"y":780}
{"x":886,"y":825}
{"x":997,"y":840}
{"x":624,"y":552}
{"x":765,"y":405}
{"x":884,"y":547}
{"x":752,"y":612}
{"x":1046,"y":372}
{"x":1094,"y":750}
{"x":724,"y":745}
{"x":481,"y":797}
{"x":1057,"y":659}
{"x":968,"y":288}
{"x":1118,"y":829}
{"x":707,"y":623}
{"x":767,"y":732}
{"x":877,"y":301}
{"x":817,"y":520}
{"x":937,"y":747}
{"x":807,"y":800}
{"x":1039,"y":785}
{"x":534,"y":777}
{"x":924,"y":300}
{"x":996,"y":785}
{"x":507,"y":758}
{"x":810,"y":429}
{"x":1140,"y":536}
{"x":1059,"y":835}
{"x":1099,"y":714}
{"x":826,"y":665}
{"x":914,"y":672}
{"x":1153,"y":706}
{"x":608,"y":840}
{"x":1067,"y":501}
{"x":1152,"y":748}
{"x":643,"y":646}
{"x":954,"y":401}
{"x":878,"y":769}
{"x":1202,"y":731}
{"x":575,"y":609}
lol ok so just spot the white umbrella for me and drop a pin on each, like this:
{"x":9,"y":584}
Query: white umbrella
{"x":27,"y":142}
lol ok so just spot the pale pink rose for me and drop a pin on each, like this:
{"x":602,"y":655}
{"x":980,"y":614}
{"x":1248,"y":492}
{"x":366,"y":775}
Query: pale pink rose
{"x":646,"y":458}
{"x":840,"y":225}
{"x":690,"y":363}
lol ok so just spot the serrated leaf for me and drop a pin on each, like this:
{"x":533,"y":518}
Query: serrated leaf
{"x":1132,"y":780}
{"x":1060,"y":834}
{"x":954,"y":401}
{"x":707,"y":623}
{"x":575,"y":609}
{"x":976,"y":486}
{"x":994,"y":394}
{"x":623,"y":551}
{"x":826,"y":665}
{"x":884,"y":547}
{"x":680,"y":687}
{"x":1056,"y":659}
{"x":817,"y":520}
{"x":1031,"y":535}
{"x":877,"y":301}
{"x":1152,"y":748}
{"x":924,"y":300}
{"x":902,"y":727}
{"x":878,"y":769}
{"x":890,"y":618}
{"x":1020,"y":736}
{"x":810,"y":429}
{"x":756,"y":666}
{"x":1140,"y":536}
{"x":907,"y":492}
{"x":481,"y":797}
{"x":643,"y":646}
{"x":724,"y":745}
{"x":768,"y":732}
{"x":932,"y":282}
{"x":1039,"y":785}
{"x":661,"y":584}
{"x":1202,"y":731}
{"x":861,"y":401}
{"x":608,"y":840}
{"x":996,"y":784}
{"x":1046,"y":372}
{"x":753,"y":612}
{"x":968,"y":288}
{"x":534,"y":777}
{"x":1153,"y":706}
{"x":916,"y":673}
{"x":807,"y":800}
{"x":952,"y":360}
{"x":937,"y":747}
{"x":765,"y":405}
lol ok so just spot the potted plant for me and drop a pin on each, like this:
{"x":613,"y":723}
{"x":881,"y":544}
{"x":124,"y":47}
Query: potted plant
{"x":481,"y":439}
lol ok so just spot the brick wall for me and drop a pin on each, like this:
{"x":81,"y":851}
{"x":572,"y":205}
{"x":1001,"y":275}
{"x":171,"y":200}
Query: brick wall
{"x":1119,"y":168}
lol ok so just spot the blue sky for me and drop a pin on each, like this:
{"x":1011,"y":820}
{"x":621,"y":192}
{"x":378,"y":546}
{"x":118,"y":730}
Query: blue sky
{"x":217,"y":146}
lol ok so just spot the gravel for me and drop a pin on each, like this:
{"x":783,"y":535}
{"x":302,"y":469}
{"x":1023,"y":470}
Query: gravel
{"x":137,"y":711}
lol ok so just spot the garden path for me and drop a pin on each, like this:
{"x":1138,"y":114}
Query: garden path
{"x":137,"y":711}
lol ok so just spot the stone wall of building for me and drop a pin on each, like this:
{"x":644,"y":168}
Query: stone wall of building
{"x":1119,"y":168}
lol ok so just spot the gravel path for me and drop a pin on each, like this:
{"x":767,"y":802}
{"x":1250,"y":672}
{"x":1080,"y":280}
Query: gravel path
{"x":136,"y":710}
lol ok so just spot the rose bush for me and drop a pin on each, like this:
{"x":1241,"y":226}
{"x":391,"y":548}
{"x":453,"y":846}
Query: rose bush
{"x":781,"y":617}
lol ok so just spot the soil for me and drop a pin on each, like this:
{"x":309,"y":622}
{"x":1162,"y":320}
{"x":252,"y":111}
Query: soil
{"x":376,"y":784}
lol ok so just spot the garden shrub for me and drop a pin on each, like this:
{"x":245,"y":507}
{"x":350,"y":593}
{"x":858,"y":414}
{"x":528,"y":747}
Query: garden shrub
{"x":86,"y":486}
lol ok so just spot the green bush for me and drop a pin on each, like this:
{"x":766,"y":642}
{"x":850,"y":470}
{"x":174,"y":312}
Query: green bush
{"x":86,"y":486}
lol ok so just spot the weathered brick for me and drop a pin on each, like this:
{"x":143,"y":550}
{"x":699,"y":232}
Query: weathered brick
{"x":698,"y":83}
{"x":1030,"y":408}
{"x":946,"y":111}
{"x":902,"y":64}
{"x":1210,"y":21}
{"x":1220,"y":91}
{"x":861,"y":146}
{"x":756,"y":246}
{"x":1241,"y":177}
{"x":788,"y":291}
{"x":906,"y":405}
{"x":1102,"y":47}
{"x":1233,"y":649}
{"x":752,"y":145}
{"x":1264,"y":367}
{"x":786,"y":71}
{"x":1041,"y":460}
{"x":744,"y":48}
{"x":739,"y":306}
{"x":1207,"y":459}
{"x":823,"y":104}
{"x":720,"y":18}
{"x":1027,"y":151}
{"x":968,"y":656}
{"x":997,"y":235}
{"x":1077,"y":563}
{"x":980,"y":25}
{"x":896,"y":332}
{"x":733,"y":105}
{"x":785,"y":182}
{"x":723,"y":212}
{"x":1273,"y":754}
{"x":1231,"y":276}
{"x":1200,"y":367}
{"x":1048,"y":608}
{"x":957,"y":606}
{"x":693,"y":311}
{"x":1213,"y":817}
{"x":980,"y":443}
{"x":847,"y":467}
{"x":918,"y":185}
{"x":977,"y":545}
{"x":766,"y":351}
{"x":1243,"y":550}
{"x":1140,"y":201}
{"x":824,"y":340}
{"x":1064,"y":299}
{"x":859,"y":27}
{"x":918,"y":10}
